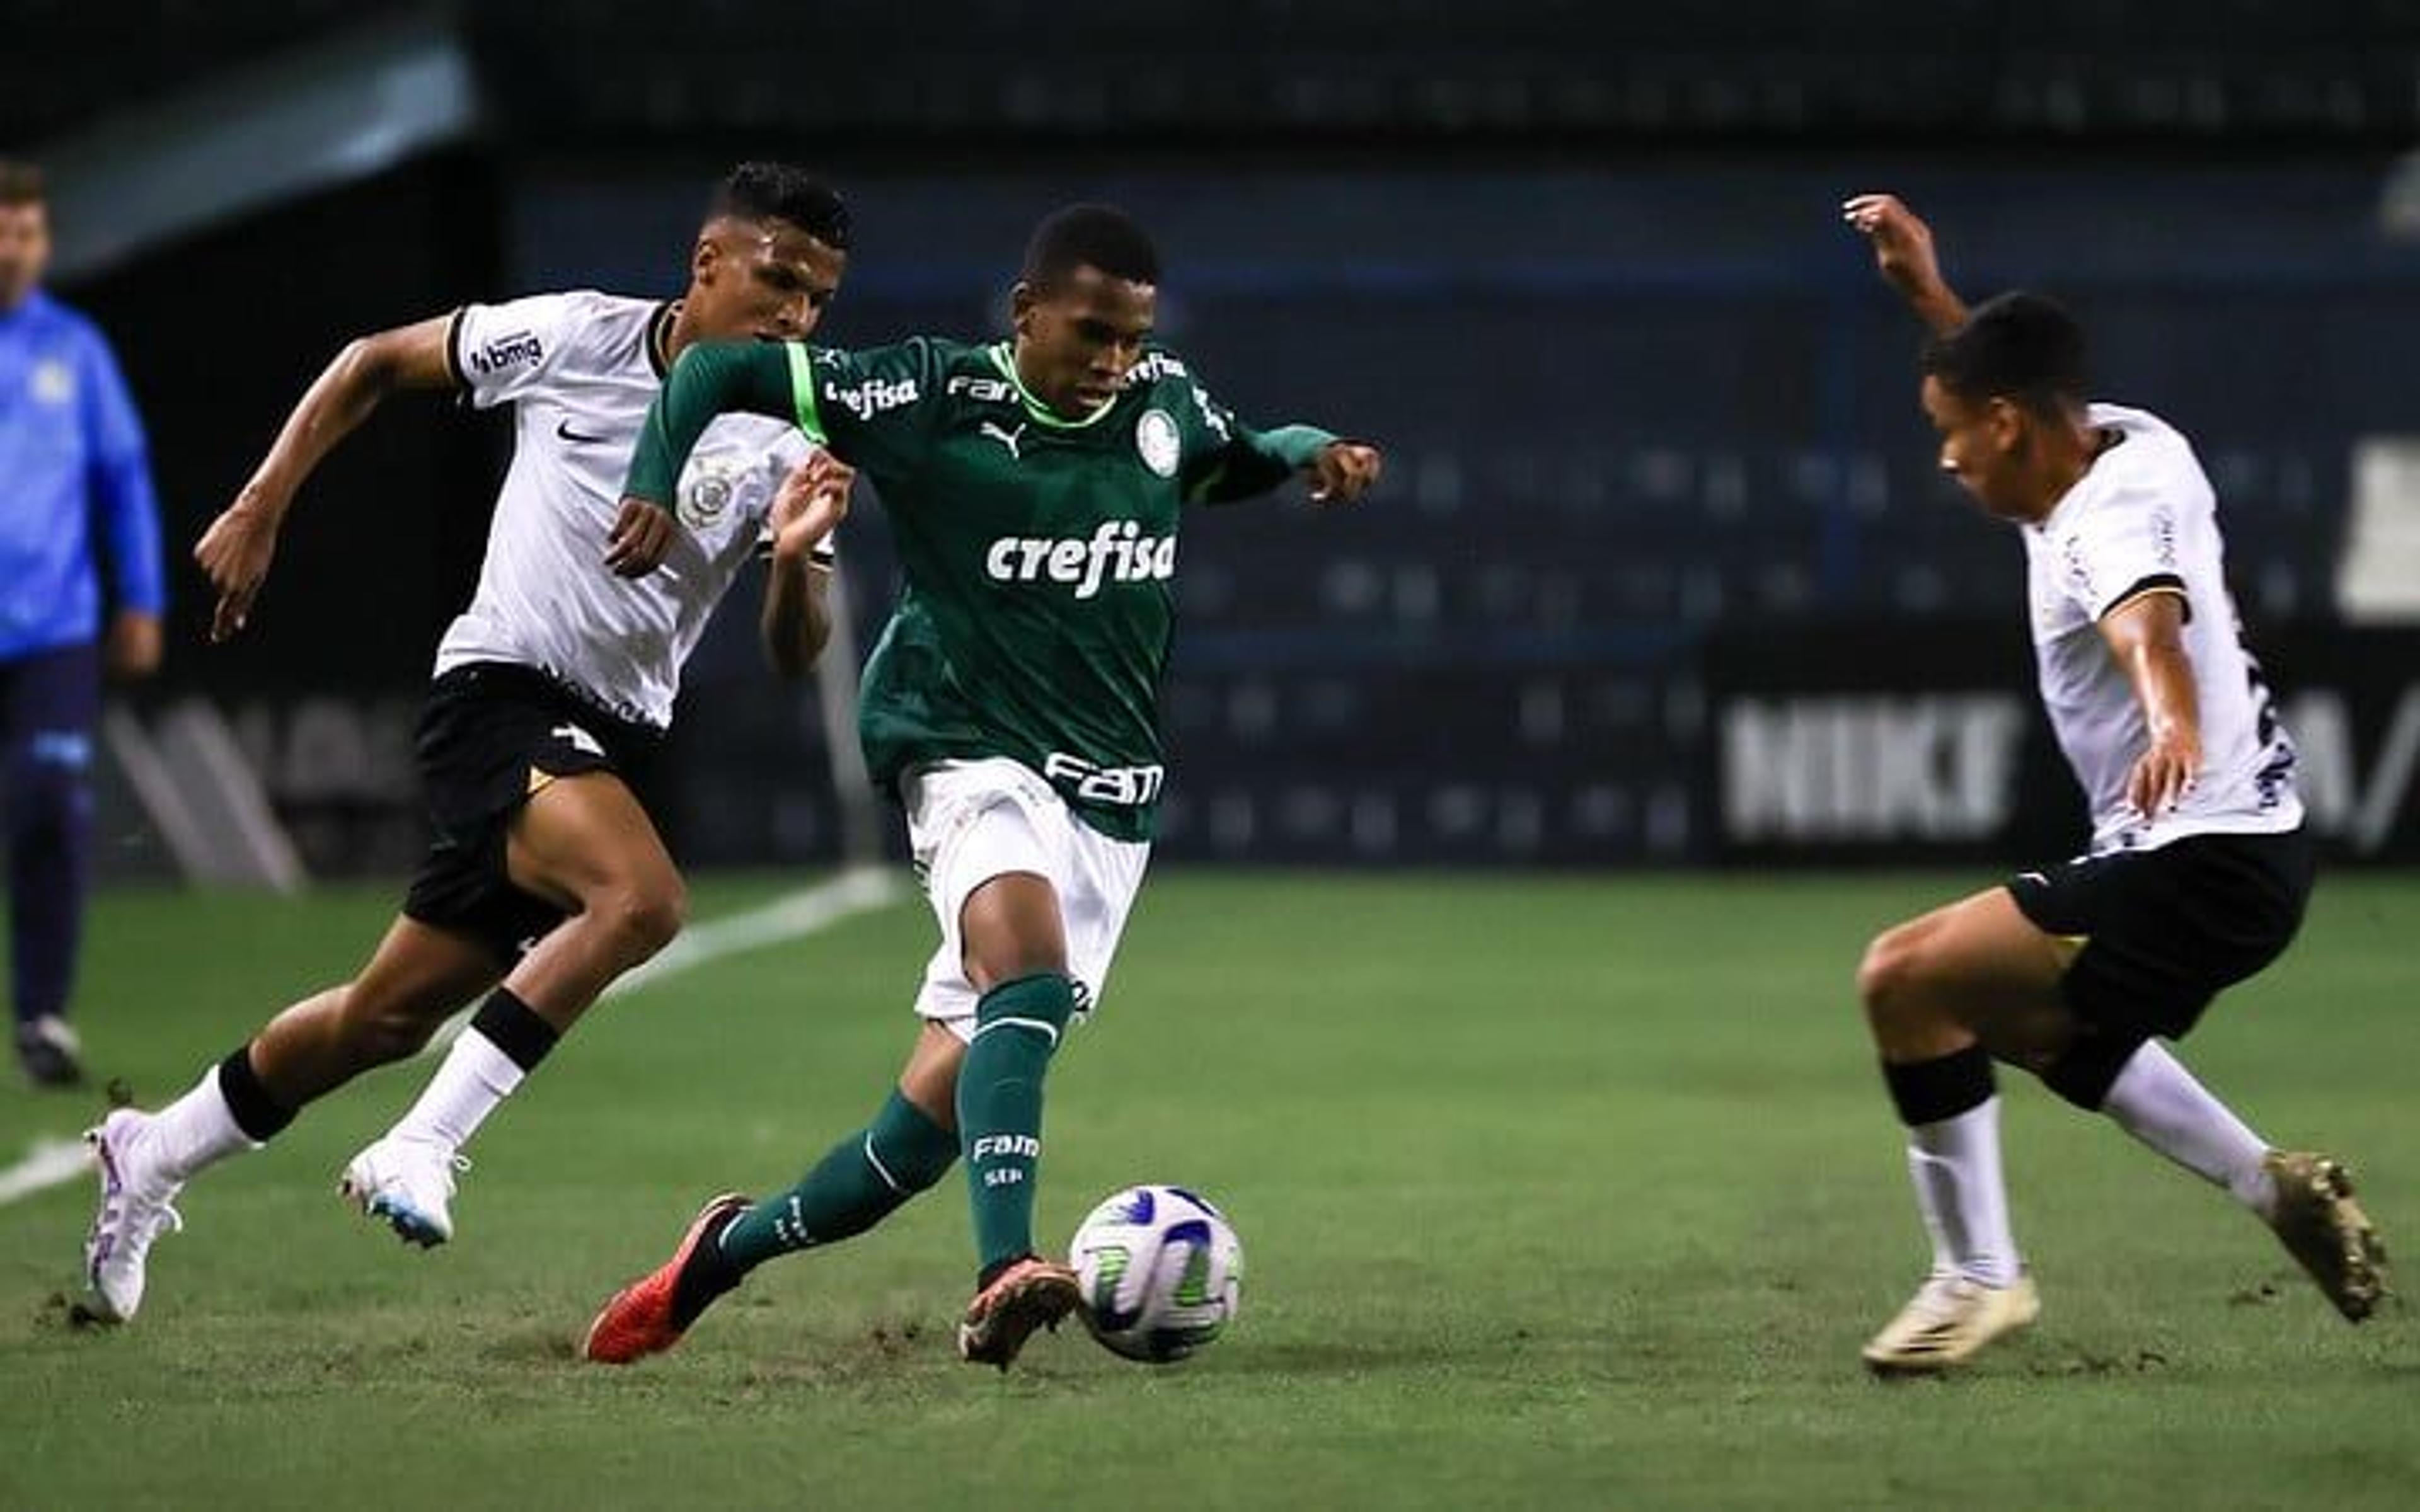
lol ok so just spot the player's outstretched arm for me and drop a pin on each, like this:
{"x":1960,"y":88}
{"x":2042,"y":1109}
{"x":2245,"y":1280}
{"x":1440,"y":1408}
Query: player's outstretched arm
{"x":709,"y":380}
{"x":796,"y":623}
{"x":238,"y":547}
{"x":1252,"y":462}
{"x":2147,"y":635}
{"x":1903,"y":250}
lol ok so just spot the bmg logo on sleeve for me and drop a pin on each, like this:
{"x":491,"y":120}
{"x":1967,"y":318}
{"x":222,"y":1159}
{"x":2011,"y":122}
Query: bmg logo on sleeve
{"x":520,"y":348}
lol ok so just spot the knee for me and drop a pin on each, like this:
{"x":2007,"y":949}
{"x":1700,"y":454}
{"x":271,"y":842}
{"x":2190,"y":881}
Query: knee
{"x":1890,"y":979}
{"x":642,"y":920}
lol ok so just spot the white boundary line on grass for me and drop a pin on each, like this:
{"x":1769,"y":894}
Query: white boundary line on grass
{"x":856,"y":891}
{"x":50,"y":1163}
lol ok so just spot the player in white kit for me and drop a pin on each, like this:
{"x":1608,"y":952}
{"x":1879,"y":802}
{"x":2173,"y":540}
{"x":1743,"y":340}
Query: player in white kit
{"x":2198,"y":870}
{"x":547,"y":879}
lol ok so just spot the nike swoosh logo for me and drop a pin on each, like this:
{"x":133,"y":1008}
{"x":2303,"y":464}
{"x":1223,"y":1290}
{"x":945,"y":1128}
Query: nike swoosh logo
{"x":564,"y":432}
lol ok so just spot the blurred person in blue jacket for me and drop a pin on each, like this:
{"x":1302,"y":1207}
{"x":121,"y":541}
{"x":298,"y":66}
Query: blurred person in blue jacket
{"x":72,"y":462}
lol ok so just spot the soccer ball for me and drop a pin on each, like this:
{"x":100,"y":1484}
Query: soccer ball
{"x":1162,"y":1272}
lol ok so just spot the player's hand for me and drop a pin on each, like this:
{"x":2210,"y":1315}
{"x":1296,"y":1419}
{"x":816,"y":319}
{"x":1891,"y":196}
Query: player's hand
{"x":133,"y":648}
{"x":236,"y":551}
{"x":1902,"y":242}
{"x":1344,"y":472}
{"x":2164,"y":774}
{"x":642,"y":537}
{"x":809,"y":505}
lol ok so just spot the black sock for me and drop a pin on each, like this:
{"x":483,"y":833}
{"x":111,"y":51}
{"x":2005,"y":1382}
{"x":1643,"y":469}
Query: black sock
{"x":1929,"y":1091}
{"x":256,"y":1113}
{"x":707,"y":1275}
{"x":514,"y":1028}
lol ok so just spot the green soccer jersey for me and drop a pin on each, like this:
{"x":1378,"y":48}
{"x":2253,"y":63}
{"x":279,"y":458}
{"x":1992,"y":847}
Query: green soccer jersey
{"x":1040,"y":552}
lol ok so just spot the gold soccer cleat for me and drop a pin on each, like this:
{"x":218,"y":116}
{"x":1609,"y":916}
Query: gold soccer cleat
{"x":2326,"y":1231}
{"x":1947,"y":1322}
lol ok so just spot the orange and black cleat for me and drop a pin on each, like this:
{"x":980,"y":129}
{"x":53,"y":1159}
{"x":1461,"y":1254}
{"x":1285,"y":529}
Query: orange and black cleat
{"x":1033,"y":1293}
{"x":641,"y":1320}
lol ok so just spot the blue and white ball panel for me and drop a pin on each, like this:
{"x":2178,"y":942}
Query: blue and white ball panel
{"x":1162,"y":1271}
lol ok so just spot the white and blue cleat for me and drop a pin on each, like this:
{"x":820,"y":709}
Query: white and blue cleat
{"x":136,"y":1208}
{"x":408,"y":1184}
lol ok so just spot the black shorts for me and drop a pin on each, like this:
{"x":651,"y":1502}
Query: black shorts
{"x":2165,"y":930}
{"x":491,"y":734}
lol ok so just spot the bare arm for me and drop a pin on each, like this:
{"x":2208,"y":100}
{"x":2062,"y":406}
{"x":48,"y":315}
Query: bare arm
{"x":796,"y":622}
{"x":238,"y":547}
{"x":2147,"y":636}
{"x":1903,"y":252}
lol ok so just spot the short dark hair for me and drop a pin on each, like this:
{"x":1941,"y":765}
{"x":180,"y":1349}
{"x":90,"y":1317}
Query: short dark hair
{"x":1090,"y":236}
{"x":2016,"y":345}
{"x":780,"y":192}
{"x":20,"y":183}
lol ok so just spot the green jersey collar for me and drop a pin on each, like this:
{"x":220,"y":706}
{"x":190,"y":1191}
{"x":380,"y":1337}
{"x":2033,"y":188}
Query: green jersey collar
{"x":1003,"y":359}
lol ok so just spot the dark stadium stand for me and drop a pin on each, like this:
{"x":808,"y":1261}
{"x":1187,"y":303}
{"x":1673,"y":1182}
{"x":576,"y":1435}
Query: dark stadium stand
{"x":1576,"y":264}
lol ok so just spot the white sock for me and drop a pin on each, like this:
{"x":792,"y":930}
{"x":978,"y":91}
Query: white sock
{"x":195,"y":1131}
{"x":1955,"y":1166}
{"x":475,"y":1076}
{"x":1944,"y":1254}
{"x":2158,"y":1102}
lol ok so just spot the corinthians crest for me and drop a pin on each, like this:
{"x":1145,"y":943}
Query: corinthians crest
{"x":706,"y":497}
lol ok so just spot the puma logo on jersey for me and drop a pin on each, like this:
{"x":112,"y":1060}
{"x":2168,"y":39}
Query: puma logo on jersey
{"x":1116,"y":552}
{"x":1010,"y":439}
{"x":578,"y":739}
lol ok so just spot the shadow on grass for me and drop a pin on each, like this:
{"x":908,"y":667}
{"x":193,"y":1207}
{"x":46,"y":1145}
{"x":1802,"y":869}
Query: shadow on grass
{"x":1338,"y":1357}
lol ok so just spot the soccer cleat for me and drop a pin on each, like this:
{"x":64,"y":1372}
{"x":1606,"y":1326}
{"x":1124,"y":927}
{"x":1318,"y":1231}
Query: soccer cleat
{"x":408,"y":1183}
{"x":1949,"y":1320}
{"x":2323,"y":1229}
{"x":639,"y":1320}
{"x":134,"y":1211}
{"x":50,"y":1051}
{"x":1033,"y":1293}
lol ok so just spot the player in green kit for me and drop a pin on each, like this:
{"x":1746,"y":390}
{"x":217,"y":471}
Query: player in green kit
{"x":1034,"y":488}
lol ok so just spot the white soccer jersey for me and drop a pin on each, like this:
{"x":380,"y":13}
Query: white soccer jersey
{"x":580,"y":369}
{"x":2144,"y":520}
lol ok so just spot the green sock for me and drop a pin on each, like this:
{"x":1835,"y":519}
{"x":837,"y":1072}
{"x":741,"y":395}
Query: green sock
{"x":1017,"y":1026}
{"x":856,"y":1184}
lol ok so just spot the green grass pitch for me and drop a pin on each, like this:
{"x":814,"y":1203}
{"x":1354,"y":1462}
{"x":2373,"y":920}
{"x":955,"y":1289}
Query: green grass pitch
{"x":1562,"y":1192}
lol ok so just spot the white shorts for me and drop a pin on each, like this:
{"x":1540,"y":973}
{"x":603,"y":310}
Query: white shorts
{"x":969,"y":822}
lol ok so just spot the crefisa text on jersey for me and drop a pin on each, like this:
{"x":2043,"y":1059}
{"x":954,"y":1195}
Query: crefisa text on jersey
{"x":1117,"y":552}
